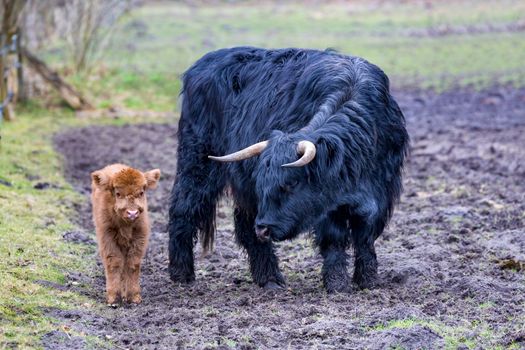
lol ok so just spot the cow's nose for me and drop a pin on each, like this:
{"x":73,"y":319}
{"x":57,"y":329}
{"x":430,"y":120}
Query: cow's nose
{"x":262,"y":232}
{"x":132,"y":214}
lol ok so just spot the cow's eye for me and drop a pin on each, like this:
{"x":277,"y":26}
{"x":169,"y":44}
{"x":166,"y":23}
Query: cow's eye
{"x":292,"y":184}
{"x":118,"y":194}
{"x":141,"y":193}
{"x":289,"y":187}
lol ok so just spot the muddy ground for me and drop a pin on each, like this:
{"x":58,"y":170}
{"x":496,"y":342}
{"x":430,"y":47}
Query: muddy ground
{"x":451,"y":261}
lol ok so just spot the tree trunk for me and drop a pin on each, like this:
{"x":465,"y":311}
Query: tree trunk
{"x":9,"y":81}
{"x":73,"y":98}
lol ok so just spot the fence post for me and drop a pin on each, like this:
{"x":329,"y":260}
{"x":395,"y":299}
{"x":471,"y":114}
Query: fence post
{"x":6,"y":109}
{"x":9,"y":56}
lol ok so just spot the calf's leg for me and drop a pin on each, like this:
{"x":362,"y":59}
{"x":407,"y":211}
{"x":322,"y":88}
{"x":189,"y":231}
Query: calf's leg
{"x":113,"y":261}
{"x":131,"y":274}
{"x":132,"y":280}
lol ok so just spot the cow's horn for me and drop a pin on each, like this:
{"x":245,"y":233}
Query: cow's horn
{"x":245,"y":153}
{"x":307,"y":150}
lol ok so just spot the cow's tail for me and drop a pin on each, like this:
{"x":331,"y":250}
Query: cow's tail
{"x":207,"y":229}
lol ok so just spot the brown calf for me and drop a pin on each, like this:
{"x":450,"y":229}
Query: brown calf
{"x":120,"y":212}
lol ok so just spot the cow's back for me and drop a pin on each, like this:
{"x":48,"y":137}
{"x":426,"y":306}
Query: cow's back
{"x":249,"y":91}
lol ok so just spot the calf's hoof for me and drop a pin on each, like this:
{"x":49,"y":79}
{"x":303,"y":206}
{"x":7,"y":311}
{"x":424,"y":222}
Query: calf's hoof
{"x":135,"y":298}
{"x":113,"y":300}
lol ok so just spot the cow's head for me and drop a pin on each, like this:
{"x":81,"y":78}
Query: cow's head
{"x":127,"y":190}
{"x":296,"y":182}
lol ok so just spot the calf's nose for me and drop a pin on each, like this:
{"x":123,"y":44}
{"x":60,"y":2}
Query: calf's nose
{"x":132,"y":214}
{"x":262,"y":232}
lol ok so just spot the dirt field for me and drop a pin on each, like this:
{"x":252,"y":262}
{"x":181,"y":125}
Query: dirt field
{"x":451,"y":261}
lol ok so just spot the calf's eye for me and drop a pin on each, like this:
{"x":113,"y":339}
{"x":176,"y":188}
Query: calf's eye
{"x":117,"y":194}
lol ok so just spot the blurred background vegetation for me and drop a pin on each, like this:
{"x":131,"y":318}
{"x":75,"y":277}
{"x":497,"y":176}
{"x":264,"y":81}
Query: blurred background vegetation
{"x":139,"y":49}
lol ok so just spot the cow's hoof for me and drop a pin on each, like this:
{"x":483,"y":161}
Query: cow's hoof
{"x":366,"y":283}
{"x":113,"y":305}
{"x":338,"y":283}
{"x":184,"y":278}
{"x":338,"y":287}
{"x":273,"y":286}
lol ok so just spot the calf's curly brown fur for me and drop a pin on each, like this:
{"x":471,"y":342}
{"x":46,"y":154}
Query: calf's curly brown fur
{"x":120,"y":213}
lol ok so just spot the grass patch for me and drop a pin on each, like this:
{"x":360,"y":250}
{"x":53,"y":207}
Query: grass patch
{"x":31,"y":224}
{"x":467,"y":333}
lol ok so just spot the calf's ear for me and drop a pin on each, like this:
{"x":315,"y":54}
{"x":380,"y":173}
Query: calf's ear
{"x":152,"y":177}
{"x":100,"y":179}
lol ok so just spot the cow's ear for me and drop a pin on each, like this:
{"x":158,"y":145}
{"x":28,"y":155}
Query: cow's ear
{"x":152,"y":177}
{"x":100,"y":179}
{"x":330,"y":154}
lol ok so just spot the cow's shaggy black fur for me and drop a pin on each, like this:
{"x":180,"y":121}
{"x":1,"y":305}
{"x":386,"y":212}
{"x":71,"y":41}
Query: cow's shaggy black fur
{"x":236,"y":97}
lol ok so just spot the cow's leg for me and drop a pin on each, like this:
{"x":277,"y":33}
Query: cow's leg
{"x":197,"y":186}
{"x":365,"y":229}
{"x":264,"y":265}
{"x":333,"y":237}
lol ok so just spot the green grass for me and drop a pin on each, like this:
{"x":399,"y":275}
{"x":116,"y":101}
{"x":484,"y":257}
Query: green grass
{"x":466,"y":333}
{"x":31,"y":223}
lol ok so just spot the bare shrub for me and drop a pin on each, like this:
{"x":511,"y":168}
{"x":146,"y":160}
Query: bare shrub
{"x":84,"y":26}
{"x":87,"y":27}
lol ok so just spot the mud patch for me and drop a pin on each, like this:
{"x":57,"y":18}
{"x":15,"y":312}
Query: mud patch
{"x":77,"y":236}
{"x":441,"y":284}
{"x":62,"y":340}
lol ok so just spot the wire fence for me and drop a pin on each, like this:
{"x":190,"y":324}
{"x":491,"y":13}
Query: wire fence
{"x":10,"y":65}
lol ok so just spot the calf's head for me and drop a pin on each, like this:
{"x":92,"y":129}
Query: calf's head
{"x":126,"y":189}
{"x":295,"y":182}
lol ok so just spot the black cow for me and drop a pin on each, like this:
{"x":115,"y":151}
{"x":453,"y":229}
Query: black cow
{"x":315,"y":142}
